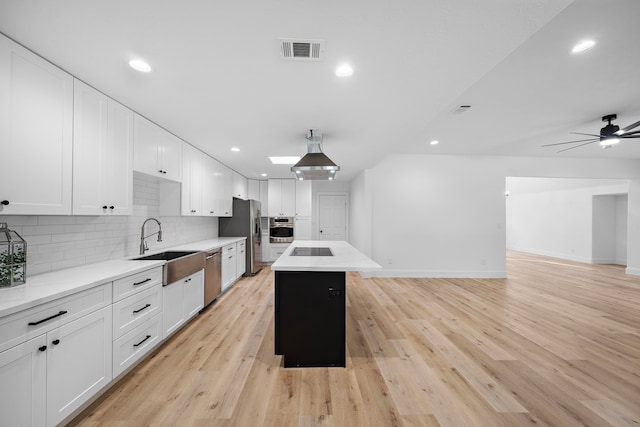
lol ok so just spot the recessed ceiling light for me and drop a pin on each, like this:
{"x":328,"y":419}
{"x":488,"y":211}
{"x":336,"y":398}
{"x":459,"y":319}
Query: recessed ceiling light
{"x":344,"y":70}
{"x":284,"y":160}
{"x":235,"y":149}
{"x":140,"y":65}
{"x":583,"y":45}
{"x":434,"y":142}
{"x":263,"y":174}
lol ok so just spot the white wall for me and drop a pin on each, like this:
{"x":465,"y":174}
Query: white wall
{"x":622,"y":208}
{"x":560,"y":217}
{"x":58,"y":242}
{"x":438,"y":216}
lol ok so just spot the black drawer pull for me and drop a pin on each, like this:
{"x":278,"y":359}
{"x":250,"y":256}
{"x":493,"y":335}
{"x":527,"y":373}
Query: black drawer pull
{"x":136,"y":345}
{"x":140,"y":283}
{"x":43,"y":348}
{"x":4,"y":202}
{"x":48,"y":318}
{"x":55,"y":342}
{"x":143,"y":308}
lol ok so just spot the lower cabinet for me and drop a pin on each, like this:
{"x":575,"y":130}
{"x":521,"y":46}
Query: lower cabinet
{"x":181,"y":300}
{"x":241,"y":259}
{"x":47,"y":378}
{"x":133,"y":345}
{"x":277,"y":249}
{"x":23,"y":383}
{"x":229,"y":266}
{"x":78,"y":363}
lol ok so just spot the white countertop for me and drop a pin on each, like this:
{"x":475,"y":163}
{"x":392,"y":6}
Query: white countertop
{"x":345,"y":258}
{"x":47,"y":287}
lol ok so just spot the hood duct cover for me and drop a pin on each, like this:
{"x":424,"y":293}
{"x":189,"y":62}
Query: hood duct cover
{"x":315,"y":164}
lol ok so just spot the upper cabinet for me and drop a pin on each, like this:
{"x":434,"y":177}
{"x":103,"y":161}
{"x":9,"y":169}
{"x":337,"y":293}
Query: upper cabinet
{"x":264,"y":197}
{"x":240,"y":186}
{"x":303,"y":198}
{"x":209,"y":185}
{"x":36,"y":125}
{"x":156,"y":151}
{"x":102,"y":154}
{"x":224,"y":193}
{"x":192,"y":180}
{"x":254,"y":189}
{"x":282,"y":197}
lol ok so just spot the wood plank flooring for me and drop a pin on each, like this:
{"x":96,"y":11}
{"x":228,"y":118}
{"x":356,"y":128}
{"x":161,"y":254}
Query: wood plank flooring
{"x":555,"y":344}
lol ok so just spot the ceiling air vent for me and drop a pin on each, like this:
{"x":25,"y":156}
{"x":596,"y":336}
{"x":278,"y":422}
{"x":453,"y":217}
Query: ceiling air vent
{"x":305,"y":50}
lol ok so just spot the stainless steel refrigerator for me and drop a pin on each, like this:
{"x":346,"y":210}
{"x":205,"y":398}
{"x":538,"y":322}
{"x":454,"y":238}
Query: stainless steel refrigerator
{"x":245,"y":222}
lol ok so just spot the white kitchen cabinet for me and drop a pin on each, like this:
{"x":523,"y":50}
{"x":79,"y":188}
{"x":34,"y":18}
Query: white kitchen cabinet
{"x":36,"y":131}
{"x":303,"y":198}
{"x":132,"y":311}
{"x":277,"y":249}
{"x":229,"y":265}
{"x":181,"y":300}
{"x":193,"y":294}
{"x":133,"y":345}
{"x":253,"y":189}
{"x":23,"y":384}
{"x":264,"y":198}
{"x":209,"y":186}
{"x":45,"y":379}
{"x":102,"y":154}
{"x":78,"y":363}
{"x":302,"y":228}
{"x":241,"y":258}
{"x":191,"y":203}
{"x":225,"y":193}
{"x":240,"y":185}
{"x":155,"y":151}
{"x":282,"y":197}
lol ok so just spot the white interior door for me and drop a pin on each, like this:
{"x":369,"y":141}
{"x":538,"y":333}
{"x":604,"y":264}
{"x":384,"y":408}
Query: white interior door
{"x":332,"y":219}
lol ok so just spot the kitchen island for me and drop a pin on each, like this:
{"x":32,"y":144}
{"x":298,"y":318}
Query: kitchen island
{"x":310,"y":301}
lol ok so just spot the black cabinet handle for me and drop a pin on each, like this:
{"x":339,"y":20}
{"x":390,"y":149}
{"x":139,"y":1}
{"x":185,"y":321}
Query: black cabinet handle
{"x":136,"y":345}
{"x":104,"y":207}
{"x":143,"y":308}
{"x":4,"y":202}
{"x":112,"y":207}
{"x":140,"y":283}
{"x":55,"y":342}
{"x":48,"y":318}
{"x":43,"y":348}
{"x":160,"y":171}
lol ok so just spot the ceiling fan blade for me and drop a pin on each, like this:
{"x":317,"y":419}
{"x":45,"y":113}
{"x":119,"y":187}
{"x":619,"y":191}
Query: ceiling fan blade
{"x":571,"y":142}
{"x":630,"y":136}
{"x":631,"y":126}
{"x":588,"y":134}
{"x":580,"y":145}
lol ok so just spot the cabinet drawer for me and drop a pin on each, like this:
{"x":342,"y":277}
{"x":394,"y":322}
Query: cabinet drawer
{"x":135,"y":344}
{"x":242,"y":244}
{"x":26,"y":324}
{"x":136,"y":309}
{"x":130,"y":285}
{"x":229,"y":249}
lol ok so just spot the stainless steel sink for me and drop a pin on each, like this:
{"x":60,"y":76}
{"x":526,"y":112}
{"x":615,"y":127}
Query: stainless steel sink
{"x":178,"y":265}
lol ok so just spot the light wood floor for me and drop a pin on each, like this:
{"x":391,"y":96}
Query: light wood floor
{"x":555,"y":344}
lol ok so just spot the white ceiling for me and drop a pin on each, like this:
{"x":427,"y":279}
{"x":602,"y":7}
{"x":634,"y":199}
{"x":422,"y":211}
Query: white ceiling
{"x":219,"y":82}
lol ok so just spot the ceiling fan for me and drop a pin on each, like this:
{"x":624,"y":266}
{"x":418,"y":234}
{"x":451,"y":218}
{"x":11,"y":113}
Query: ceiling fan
{"x":609,"y":135}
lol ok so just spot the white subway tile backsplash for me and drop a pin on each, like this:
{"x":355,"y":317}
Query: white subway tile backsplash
{"x":58,"y":242}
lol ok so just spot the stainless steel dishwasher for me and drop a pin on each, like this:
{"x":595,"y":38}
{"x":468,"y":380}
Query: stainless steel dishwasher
{"x":212,"y":276}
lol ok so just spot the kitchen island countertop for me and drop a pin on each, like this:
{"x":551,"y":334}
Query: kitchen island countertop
{"x":345,"y":258}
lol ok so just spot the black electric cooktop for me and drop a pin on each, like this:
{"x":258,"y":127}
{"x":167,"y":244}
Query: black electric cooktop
{"x":299,"y":251}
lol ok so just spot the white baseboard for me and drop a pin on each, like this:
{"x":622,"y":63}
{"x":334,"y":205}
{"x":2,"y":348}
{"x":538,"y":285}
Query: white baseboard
{"x":603,"y":261}
{"x":569,"y":257}
{"x":633,"y":271}
{"x":499,"y":274}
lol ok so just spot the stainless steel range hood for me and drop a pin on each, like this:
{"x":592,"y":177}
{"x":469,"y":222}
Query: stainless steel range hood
{"x":315,"y":164}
